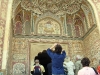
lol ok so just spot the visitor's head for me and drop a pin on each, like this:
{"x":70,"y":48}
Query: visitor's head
{"x":36,"y":61}
{"x":85,"y":61}
{"x":44,"y":51}
{"x":67,"y":59}
{"x":58,"y":49}
{"x":78,"y":57}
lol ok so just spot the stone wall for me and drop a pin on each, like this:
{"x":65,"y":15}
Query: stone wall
{"x":3,"y":16}
{"x":92,"y":47}
{"x":25,"y":49}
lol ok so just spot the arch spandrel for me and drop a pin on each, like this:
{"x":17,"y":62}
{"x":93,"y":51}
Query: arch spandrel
{"x":96,"y":11}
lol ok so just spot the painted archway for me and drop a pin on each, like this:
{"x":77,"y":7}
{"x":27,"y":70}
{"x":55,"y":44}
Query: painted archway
{"x":5,"y":23}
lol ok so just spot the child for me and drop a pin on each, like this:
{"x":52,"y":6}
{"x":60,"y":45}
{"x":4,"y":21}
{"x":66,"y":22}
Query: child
{"x":37,"y":69}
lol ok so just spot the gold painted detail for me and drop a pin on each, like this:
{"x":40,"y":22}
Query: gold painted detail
{"x":59,"y":7}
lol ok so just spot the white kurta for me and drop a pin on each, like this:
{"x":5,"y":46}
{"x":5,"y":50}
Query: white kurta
{"x":70,"y":66}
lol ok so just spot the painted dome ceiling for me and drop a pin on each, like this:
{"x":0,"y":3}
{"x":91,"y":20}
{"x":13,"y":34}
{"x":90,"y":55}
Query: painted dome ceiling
{"x":69,"y":18}
{"x":58,"y":7}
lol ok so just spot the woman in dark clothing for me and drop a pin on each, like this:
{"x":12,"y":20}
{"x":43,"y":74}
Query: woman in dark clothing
{"x":57,"y":56}
{"x":49,"y":66}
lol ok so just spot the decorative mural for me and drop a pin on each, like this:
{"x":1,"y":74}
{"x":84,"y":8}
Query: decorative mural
{"x":74,"y":25}
{"x":69,"y":23}
{"x":27,"y":23}
{"x":25,"y":49}
{"x":79,"y":27}
{"x":57,"y":7}
{"x":20,"y":57}
{"x":18,"y":68}
{"x":18,"y":28}
{"x":3,"y":16}
{"x":89,"y":15}
{"x":27,"y":28}
{"x":18,"y":23}
{"x":49,"y":26}
{"x":97,"y":4}
{"x":91,"y":42}
{"x":1,"y":31}
{"x":92,"y":47}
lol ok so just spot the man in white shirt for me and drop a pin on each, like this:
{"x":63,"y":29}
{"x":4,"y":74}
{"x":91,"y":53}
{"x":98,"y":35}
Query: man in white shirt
{"x":69,"y":65}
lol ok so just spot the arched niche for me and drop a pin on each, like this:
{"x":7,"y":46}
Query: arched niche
{"x":48,"y":26}
{"x":95,"y":13}
{"x":48,"y":17}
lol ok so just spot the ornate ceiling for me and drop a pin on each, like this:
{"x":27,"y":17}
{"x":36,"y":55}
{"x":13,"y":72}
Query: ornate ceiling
{"x":58,"y":7}
{"x":74,"y":18}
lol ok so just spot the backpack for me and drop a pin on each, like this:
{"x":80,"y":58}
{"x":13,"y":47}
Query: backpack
{"x":37,"y":70}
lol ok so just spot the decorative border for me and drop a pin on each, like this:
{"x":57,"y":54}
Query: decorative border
{"x":3,"y":16}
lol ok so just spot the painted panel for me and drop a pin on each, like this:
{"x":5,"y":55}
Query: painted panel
{"x":48,"y":26}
